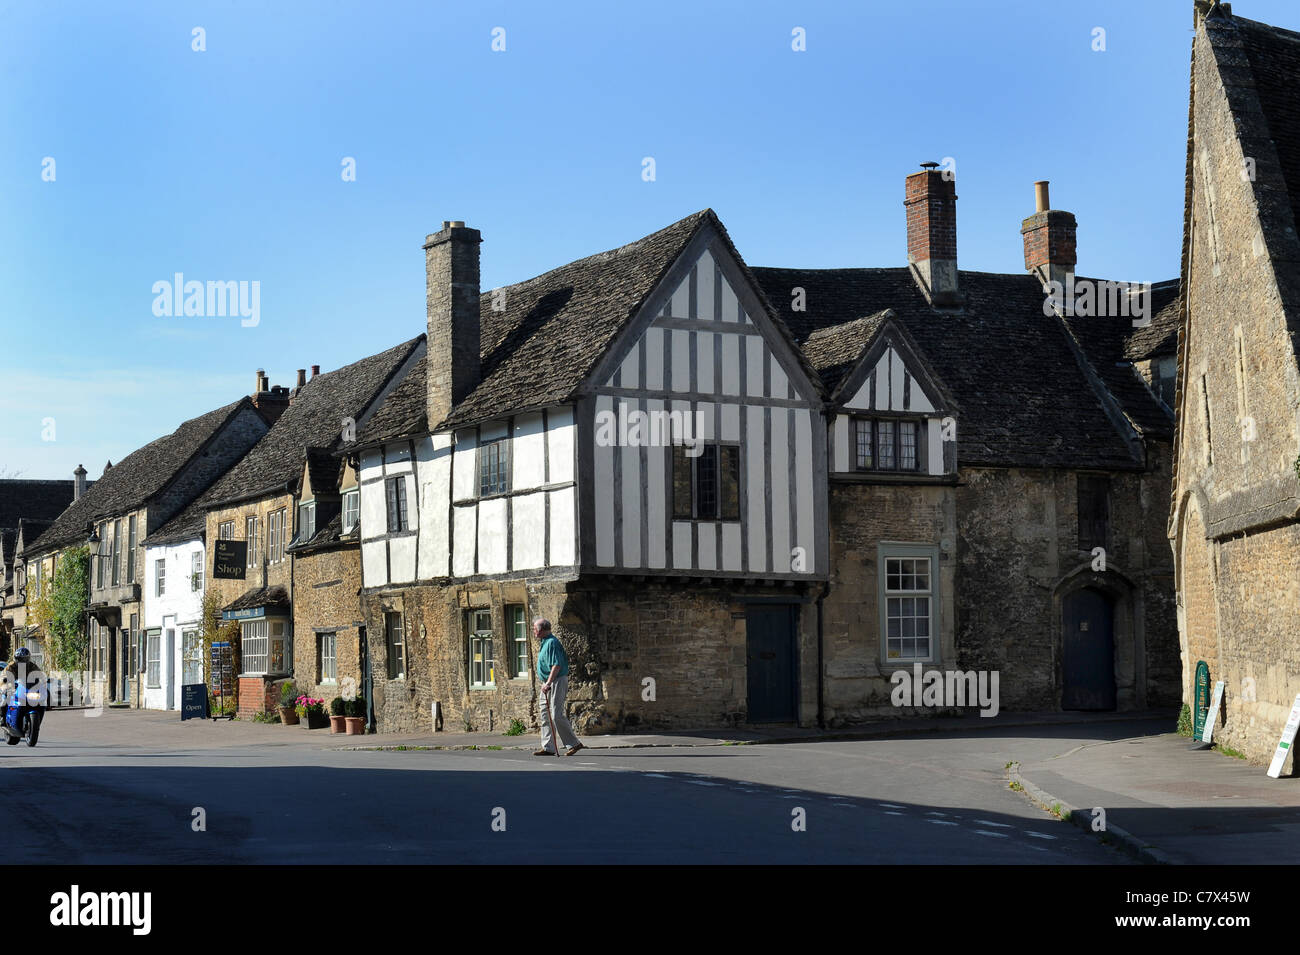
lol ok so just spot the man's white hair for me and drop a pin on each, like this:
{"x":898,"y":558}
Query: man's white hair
{"x":542,"y":624}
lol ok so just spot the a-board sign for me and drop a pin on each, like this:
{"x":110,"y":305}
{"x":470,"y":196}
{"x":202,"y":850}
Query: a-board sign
{"x":1213,"y":717}
{"x":194,"y":701}
{"x":230,"y":560}
{"x":1288,"y":737}
{"x":1201,"y":698}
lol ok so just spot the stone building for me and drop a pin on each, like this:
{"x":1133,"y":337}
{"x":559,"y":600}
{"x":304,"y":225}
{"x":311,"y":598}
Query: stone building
{"x":132,"y":499}
{"x":261,"y":503}
{"x":750,"y":495}
{"x":329,"y":647}
{"x":26,"y":509}
{"x":1235,"y":516}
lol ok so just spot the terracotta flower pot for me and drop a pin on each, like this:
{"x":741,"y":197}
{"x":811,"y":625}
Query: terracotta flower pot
{"x":336,"y":724}
{"x":288,"y":716}
{"x":356,"y":725}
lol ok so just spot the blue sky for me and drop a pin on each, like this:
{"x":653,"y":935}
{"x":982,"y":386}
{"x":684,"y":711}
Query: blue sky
{"x":225,"y":164}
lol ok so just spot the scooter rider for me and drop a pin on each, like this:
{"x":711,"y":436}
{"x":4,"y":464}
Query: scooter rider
{"x":22,"y":670}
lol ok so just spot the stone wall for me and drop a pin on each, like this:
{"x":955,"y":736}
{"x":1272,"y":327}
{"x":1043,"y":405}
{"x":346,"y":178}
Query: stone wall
{"x":689,"y":638}
{"x":325,"y":586}
{"x":1234,"y":524}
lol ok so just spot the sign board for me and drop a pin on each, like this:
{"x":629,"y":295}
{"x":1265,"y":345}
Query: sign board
{"x":251,"y":613}
{"x":1200,"y":698}
{"x":221,"y":674}
{"x":1213,"y":718}
{"x":1288,"y":737}
{"x":194,"y":701}
{"x":230,"y":560}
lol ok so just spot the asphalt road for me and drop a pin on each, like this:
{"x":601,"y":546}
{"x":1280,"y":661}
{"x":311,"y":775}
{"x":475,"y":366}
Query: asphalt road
{"x":109,"y":790}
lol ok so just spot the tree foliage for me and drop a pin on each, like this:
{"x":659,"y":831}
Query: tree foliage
{"x":62,"y":609}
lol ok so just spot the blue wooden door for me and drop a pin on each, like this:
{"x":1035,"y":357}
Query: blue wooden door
{"x":1087,"y":652}
{"x":771,"y":670}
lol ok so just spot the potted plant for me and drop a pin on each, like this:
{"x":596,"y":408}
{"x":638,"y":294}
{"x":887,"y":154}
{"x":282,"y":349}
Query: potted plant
{"x":337,"y":715}
{"x":288,"y":699}
{"x":311,"y":711}
{"x":356,"y":716}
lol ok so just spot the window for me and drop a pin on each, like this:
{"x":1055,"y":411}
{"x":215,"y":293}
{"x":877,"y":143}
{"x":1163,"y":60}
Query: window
{"x":104,"y":546}
{"x":130,"y":549}
{"x":153,"y":654}
{"x":887,"y":445}
{"x":1209,"y":438}
{"x":396,"y":489}
{"x":160,"y":577}
{"x":252,"y":534}
{"x":37,"y":649}
{"x":253,"y":646}
{"x":482,"y":667}
{"x":279,"y":647}
{"x":226,"y":530}
{"x":191,"y":657}
{"x":908,"y":606}
{"x":117,"y":553}
{"x":133,"y":646}
{"x":196,"y":571}
{"x":306,"y":521}
{"x":327,"y":658}
{"x":393,"y":641}
{"x":98,"y":648}
{"x":494,"y":467}
{"x":34,"y":575}
{"x":275,"y":535}
{"x":706,"y":487}
{"x":351,"y":510}
{"x":1094,"y":511}
{"x":518,"y":630}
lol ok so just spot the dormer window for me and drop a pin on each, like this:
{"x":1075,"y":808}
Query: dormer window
{"x":351,"y":509}
{"x":306,"y":521}
{"x":887,"y":444}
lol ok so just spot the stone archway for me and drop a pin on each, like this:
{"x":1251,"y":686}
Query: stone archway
{"x":1114,"y":614}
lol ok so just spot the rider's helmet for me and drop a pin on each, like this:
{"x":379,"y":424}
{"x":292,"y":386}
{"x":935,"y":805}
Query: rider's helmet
{"x":22,"y":655}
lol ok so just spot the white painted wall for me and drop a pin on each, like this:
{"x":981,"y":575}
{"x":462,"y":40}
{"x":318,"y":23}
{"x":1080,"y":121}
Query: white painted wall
{"x":178,"y":610}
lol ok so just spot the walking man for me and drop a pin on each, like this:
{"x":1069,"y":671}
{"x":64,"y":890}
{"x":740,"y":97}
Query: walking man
{"x":553,"y":670}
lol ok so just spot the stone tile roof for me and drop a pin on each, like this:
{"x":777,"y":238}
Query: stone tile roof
{"x":331,"y":535}
{"x":261,"y":597}
{"x":835,"y":350}
{"x":1160,"y":338}
{"x":190,"y":524}
{"x":134,"y":480}
{"x":313,"y":420}
{"x":1024,"y":398}
{"x":29,"y":502}
{"x":554,"y":331}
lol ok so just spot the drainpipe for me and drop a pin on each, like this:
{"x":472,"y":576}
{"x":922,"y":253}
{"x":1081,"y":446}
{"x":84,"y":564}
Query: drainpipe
{"x":821,"y":674}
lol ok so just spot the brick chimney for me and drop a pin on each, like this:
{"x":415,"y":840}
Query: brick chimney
{"x":78,"y":483}
{"x":451,"y":262}
{"x":270,"y":402}
{"x":930,"y":197}
{"x":1049,"y":239}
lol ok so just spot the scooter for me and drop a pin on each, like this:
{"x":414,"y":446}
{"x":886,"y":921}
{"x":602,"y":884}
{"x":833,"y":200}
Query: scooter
{"x":23,"y":715}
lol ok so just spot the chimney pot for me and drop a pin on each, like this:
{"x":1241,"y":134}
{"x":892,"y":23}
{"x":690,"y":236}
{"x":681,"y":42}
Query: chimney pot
{"x":302,"y":377}
{"x":1041,"y":201}
{"x":78,"y":482}
{"x":315,"y":370}
{"x":257,"y":381}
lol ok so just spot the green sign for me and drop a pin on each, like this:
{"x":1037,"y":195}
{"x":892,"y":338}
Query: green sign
{"x":1202,"y":691}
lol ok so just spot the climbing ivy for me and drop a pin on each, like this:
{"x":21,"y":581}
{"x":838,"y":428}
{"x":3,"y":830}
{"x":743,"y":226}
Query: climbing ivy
{"x":62,"y":608}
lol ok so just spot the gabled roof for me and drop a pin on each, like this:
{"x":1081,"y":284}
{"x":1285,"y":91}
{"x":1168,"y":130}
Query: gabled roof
{"x":315,"y":419}
{"x":1025,"y":400}
{"x":1160,"y":338}
{"x":24,"y":501}
{"x":135,"y":479}
{"x":555,"y":330}
{"x":835,"y":350}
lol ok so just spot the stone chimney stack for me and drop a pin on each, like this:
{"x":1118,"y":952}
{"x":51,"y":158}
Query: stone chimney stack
{"x":930,"y":197}
{"x":451,"y":261}
{"x":1049,"y":239}
{"x":78,"y":482}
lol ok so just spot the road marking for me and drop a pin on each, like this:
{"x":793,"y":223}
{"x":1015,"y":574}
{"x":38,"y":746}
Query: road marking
{"x":702,"y":782}
{"x":657,"y":775}
{"x":890,"y":805}
{"x":1038,"y":835}
{"x":996,"y":825}
{"x":941,"y":822}
{"x":893,"y":813}
{"x":932,"y":813}
{"x":996,"y":835}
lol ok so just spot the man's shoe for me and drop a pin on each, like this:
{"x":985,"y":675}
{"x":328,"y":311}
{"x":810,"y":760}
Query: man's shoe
{"x":574,"y":749}
{"x":543,"y":752}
